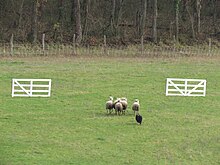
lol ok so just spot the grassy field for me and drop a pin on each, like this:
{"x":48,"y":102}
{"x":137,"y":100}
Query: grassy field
{"x":72,"y":127}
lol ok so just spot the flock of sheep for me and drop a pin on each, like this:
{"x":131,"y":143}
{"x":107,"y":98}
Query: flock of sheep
{"x":120,"y":106}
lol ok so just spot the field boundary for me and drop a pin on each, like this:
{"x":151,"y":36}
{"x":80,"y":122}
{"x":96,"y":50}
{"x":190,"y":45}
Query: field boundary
{"x":130,"y":51}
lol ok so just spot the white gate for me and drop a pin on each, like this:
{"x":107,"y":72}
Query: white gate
{"x":185,"y":87}
{"x":31,"y":87}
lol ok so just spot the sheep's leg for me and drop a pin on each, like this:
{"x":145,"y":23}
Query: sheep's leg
{"x":118,"y":112}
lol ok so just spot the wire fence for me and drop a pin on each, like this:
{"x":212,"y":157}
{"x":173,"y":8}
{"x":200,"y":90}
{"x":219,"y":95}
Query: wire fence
{"x":148,"y":50}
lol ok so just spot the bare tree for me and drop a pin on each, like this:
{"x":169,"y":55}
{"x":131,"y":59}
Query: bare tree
{"x":38,"y":6}
{"x":119,"y":15}
{"x":214,"y":9}
{"x":20,"y":14}
{"x":177,"y":6}
{"x":115,"y":17}
{"x":191,"y":17}
{"x":86,"y":14}
{"x":26,"y":19}
{"x":59,"y":26}
{"x":78,"y":28}
{"x":143,"y":17}
{"x":112,"y":17}
{"x":198,"y":9}
{"x":155,"y":22}
{"x":35,"y":21}
{"x":60,"y":8}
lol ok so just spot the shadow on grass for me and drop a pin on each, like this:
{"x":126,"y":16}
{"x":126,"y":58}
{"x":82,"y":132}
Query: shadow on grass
{"x":112,"y":114}
{"x":133,"y":123}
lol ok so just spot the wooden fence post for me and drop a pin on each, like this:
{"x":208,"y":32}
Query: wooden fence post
{"x":142,"y":45}
{"x":210,"y":45}
{"x":105,"y":45}
{"x":12,"y":45}
{"x":4,"y":50}
{"x":174,"y":44}
{"x":43,"y":44}
{"x":74,"y":44}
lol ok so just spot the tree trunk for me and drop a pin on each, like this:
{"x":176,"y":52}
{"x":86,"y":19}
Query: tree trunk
{"x":72,"y":14}
{"x":214,"y":6}
{"x":198,"y":8}
{"x":35,"y":21}
{"x":138,"y":23}
{"x":184,"y":11}
{"x":60,"y":7}
{"x":85,"y":26}
{"x":78,"y":28}
{"x":191,"y":17}
{"x":155,"y":22}
{"x":177,"y":2}
{"x":59,"y":29}
{"x":143,"y":20}
{"x":20,"y":14}
{"x":119,"y":15}
{"x":112,"y":17}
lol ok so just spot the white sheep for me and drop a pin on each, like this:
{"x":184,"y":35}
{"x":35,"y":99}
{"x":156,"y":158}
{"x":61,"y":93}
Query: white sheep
{"x":124,"y":103}
{"x":114,"y":102}
{"x":118,"y":107}
{"x":109,"y":105}
{"x":136,"y":106}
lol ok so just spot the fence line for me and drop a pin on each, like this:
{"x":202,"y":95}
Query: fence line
{"x":14,"y":49}
{"x":146,"y":50}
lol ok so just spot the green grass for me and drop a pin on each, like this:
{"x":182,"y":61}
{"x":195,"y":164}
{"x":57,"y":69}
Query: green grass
{"x":72,"y":127}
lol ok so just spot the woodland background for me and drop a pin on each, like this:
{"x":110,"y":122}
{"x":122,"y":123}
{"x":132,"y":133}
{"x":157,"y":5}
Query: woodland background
{"x":124,"y":22}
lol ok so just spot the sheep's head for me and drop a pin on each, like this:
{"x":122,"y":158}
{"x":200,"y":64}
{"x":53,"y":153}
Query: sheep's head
{"x":118,"y":100}
{"x":111,"y":98}
{"x":124,"y":99}
{"x":136,"y":100}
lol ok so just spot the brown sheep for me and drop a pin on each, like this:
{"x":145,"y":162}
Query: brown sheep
{"x":124,"y":104}
{"x":109,"y":105}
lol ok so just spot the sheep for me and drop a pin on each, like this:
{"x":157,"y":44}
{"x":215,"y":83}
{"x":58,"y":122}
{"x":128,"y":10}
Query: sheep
{"x":118,"y":107}
{"x":115,"y":102}
{"x":136,"y":106}
{"x":109,"y":105}
{"x":138,"y":118}
{"x":124,"y":104}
